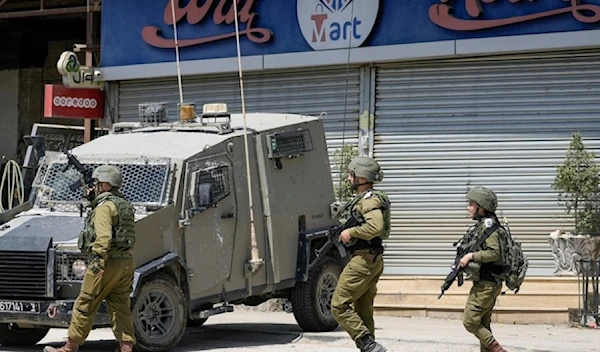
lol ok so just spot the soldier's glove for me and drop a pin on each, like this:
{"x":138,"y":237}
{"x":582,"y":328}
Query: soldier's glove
{"x":96,"y":264}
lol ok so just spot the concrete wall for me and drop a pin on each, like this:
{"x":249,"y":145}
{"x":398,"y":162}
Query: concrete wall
{"x":31,"y":104}
{"x":9,"y":113}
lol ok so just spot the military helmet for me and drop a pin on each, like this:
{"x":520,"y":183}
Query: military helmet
{"x":368,"y":168}
{"x":485,"y":197}
{"x":108,"y":174}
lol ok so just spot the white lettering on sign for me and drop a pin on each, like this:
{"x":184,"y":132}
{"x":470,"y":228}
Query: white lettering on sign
{"x":336,"y":24}
{"x":83,"y":103}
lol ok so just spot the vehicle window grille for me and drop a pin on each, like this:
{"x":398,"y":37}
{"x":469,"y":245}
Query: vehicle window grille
{"x":289,"y":143}
{"x":218,"y":178}
{"x":145,"y":182}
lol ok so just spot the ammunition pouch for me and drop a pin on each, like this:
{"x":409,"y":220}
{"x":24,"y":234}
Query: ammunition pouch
{"x":86,"y":240}
{"x":373,"y":245}
{"x":472,"y":271}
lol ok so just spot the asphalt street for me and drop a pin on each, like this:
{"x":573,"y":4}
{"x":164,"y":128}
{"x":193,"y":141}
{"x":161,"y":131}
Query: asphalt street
{"x":245,"y":330}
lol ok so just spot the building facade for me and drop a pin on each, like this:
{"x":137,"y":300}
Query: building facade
{"x":446,"y":95}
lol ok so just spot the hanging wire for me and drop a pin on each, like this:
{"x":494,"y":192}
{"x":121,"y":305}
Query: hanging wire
{"x":256,"y":262}
{"x":341,"y":175}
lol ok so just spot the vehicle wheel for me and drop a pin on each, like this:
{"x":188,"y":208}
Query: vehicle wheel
{"x":159,"y":314}
{"x":12,"y":335}
{"x":311,"y":300}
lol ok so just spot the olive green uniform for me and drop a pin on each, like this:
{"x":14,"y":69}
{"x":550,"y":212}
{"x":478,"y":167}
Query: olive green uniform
{"x":352,"y":302}
{"x":477,"y":315}
{"x":116,"y":284}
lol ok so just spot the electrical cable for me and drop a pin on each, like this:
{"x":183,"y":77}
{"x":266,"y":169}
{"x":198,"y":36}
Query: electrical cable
{"x":12,"y":177}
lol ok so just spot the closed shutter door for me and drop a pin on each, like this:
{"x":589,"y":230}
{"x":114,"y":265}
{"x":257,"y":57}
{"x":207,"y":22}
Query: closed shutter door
{"x":442,"y":128}
{"x":309,"y":92}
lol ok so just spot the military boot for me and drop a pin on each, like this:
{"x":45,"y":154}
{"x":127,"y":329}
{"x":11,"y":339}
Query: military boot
{"x":125,"y":347}
{"x":495,"y":347}
{"x":70,"y":346}
{"x":367,"y":344}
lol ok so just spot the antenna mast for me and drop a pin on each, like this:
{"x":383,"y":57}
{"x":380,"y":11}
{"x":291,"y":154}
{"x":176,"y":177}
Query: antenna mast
{"x":255,"y":262}
{"x":341,"y":175}
{"x":177,"y":53}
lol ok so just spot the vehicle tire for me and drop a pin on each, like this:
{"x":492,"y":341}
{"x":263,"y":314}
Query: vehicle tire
{"x":159,"y":314}
{"x":311,"y":300}
{"x":12,"y":335}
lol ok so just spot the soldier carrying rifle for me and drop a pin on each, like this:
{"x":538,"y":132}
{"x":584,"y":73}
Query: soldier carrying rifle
{"x":480,"y":258}
{"x":352,"y":302}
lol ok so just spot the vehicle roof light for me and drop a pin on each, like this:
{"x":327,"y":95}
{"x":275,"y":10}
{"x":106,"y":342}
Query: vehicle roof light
{"x":214,"y":109}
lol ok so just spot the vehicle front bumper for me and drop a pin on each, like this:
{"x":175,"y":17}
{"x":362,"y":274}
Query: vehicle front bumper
{"x":56,"y":314}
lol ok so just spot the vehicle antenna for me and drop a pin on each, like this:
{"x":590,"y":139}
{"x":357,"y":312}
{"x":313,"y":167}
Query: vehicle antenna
{"x":342,"y":159}
{"x":177,"y":53}
{"x":255,"y":262}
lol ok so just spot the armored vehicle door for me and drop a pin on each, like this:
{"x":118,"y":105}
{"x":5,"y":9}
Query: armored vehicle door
{"x":210,"y":231}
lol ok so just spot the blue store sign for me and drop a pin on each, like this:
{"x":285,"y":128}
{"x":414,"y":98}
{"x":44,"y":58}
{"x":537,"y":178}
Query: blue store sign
{"x":142,"y":31}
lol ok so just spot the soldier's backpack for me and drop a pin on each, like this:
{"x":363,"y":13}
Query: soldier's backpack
{"x":514,"y":260}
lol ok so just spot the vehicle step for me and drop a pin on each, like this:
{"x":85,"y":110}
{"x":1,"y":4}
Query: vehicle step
{"x":203,"y":314}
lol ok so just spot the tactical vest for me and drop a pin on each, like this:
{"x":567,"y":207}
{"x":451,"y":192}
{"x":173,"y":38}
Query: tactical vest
{"x":123,"y":236}
{"x":385,"y":210}
{"x":477,"y":271}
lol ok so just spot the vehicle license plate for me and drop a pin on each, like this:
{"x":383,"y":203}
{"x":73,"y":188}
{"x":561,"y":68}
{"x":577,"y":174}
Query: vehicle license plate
{"x":19,"y":307}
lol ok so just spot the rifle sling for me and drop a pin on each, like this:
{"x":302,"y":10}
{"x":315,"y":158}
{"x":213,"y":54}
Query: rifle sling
{"x":488,"y":232}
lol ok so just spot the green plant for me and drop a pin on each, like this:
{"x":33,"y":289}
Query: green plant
{"x":341,"y":159}
{"x":577,"y":182}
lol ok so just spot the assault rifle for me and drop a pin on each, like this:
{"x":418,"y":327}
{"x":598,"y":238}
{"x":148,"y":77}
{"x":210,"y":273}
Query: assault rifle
{"x":333,"y":238}
{"x":85,"y":172}
{"x":457,"y":270}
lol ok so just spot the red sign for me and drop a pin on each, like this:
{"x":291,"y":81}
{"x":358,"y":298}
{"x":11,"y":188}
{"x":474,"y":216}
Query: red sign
{"x":442,"y":14}
{"x":77,"y":103}
{"x":194,"y":13}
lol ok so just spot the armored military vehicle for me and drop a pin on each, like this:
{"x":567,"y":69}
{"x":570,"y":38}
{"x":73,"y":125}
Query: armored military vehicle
{"x":204,"y":242}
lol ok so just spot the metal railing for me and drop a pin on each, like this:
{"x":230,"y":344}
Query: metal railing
{"x":589,"y":299}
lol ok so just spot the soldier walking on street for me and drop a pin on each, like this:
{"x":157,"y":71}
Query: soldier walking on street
{"x":352,"y":302}
{"x":483,"y":266}
{"x":107,"y":239}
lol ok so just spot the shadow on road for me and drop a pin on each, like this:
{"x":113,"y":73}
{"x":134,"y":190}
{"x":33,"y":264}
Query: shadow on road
{"x":208,"y":337}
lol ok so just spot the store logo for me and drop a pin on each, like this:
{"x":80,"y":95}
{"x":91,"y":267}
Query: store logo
{"x":336,"y":24}
{"x":74,"y":75}
{"x":444,"y":16}
{"x":194,"y":13}
{"x":71,"y":102}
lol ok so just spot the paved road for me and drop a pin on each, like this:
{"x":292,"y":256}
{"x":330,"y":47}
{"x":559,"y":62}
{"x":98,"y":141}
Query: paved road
{"x":276,"y":331}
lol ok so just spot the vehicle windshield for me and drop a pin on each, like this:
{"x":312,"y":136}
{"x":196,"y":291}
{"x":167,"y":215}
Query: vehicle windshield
{"x":145,"y":182}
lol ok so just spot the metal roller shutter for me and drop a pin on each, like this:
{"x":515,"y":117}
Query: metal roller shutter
{"x":309,"y":92}
{"x":444,"y":127}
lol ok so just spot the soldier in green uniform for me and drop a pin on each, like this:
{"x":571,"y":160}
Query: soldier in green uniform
{"x":107,"y":239}
{"x":484,"y":266}
{"x":352,"y":302}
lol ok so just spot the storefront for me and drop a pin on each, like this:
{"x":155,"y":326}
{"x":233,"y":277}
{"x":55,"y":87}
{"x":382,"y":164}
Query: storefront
{"x":446,"y":95}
